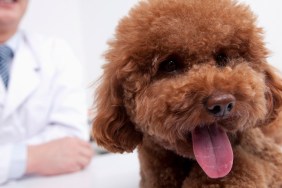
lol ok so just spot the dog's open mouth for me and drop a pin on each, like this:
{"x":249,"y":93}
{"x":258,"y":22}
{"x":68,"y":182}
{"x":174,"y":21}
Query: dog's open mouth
{"x":212,"y":150}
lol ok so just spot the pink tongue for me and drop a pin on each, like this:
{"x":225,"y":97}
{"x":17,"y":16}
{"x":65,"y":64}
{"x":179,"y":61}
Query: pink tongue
{"x":212,"y":150}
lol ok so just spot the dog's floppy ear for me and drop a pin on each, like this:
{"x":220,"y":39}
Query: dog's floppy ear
{"x":274,"y":83}
{"x":112,"y":127}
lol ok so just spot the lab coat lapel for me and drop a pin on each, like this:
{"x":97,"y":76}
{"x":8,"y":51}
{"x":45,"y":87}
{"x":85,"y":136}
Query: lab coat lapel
{"x":24,"y":79}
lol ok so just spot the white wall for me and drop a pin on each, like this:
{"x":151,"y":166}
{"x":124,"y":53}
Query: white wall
{"x":57,"y":18}
{"x":270,"y":18}
{"x":88,"y":24}
{"x":85,"y":24}
{"x":99,"y":19}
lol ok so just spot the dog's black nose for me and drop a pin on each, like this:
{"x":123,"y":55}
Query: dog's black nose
{"x":220,"y":104}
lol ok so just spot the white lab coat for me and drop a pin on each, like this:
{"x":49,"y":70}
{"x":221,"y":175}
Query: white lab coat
{"x":45,"y":99}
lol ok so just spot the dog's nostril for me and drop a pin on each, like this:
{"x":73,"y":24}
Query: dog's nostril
{"x":229,"y":107}
{"x":220,"y":104}
{"x":215,"y":109}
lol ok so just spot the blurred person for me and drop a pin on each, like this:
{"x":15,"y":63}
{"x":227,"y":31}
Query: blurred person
{"x":43,"y":116}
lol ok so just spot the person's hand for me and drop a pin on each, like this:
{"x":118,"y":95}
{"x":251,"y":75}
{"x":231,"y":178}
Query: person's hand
{"x":60,"y":156}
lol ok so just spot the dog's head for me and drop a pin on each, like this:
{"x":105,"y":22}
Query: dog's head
{"x":185,"y":72}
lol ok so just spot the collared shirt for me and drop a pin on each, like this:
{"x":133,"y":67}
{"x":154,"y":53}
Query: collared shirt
{"x":14,"y":43}
{"x":19,"y":159}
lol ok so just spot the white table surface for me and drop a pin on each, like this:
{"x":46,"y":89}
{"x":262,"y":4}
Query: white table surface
{"x":105,"y":171}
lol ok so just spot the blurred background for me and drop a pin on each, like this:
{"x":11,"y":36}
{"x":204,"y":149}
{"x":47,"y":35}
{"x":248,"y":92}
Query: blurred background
{"x":87,"y":25}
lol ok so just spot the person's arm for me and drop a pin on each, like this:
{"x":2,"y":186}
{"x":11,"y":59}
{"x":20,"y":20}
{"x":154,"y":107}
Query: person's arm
{"x":61,"y":147}
{"x":5,"y":155}
{"x":65,"y":146}
{"x":59,"y":156}
{"x":18,"y":161}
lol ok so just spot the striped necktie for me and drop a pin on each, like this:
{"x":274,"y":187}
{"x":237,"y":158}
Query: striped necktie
{"x":6,"y":55}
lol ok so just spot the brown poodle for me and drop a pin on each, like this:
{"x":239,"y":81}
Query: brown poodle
{"x":187,"y":83}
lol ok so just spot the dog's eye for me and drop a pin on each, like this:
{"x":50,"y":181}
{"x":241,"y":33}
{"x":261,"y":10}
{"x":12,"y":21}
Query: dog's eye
{"x":171,"y":65}
{"x":221,"y":59}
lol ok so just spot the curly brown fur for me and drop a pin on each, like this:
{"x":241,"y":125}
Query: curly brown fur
{"x":166,"y":62}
